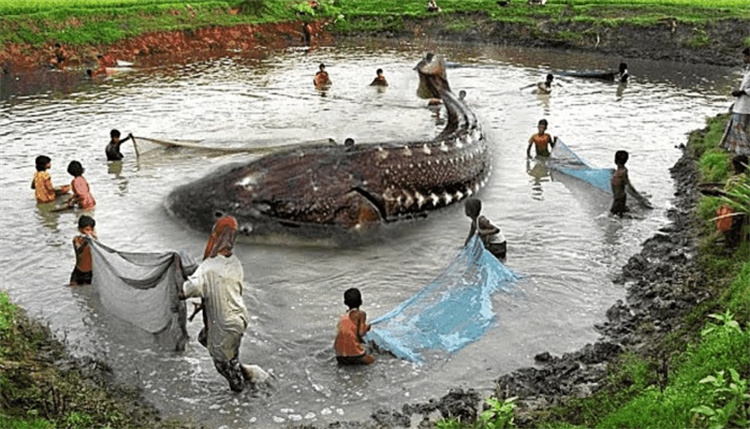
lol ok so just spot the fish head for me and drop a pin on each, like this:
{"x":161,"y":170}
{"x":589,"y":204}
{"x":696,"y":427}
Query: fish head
{"x":202,"y":202}
{"x":433,"y":82}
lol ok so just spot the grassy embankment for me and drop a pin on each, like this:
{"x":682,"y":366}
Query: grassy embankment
{"x":41,"y":388}
{"x":378,"y":15}
{"x":80,"y":22}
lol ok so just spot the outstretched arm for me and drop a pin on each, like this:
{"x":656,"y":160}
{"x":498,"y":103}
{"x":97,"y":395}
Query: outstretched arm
{"x":472,"y":231}
{"x":643,"y":201}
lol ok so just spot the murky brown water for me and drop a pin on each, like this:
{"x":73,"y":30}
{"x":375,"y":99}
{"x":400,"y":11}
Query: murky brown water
{"x":560,"y":238}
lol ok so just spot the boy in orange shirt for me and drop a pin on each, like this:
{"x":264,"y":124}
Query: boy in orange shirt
{"x":351,"y":328}
{"x":81,"y":274}
{"x":42,"y":183}
{"x":542,"y":141}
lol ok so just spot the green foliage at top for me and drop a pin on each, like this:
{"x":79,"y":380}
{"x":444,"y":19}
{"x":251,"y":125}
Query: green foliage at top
{"x":78,"y":22}
{"x":107,"y":21}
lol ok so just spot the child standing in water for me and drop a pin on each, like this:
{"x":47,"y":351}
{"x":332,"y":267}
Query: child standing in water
{"x":621,"y":186}
{"x":81,"y":193}
{"x":82,"y":272}
{"x":542,"y":142}
{"x":322,"y":80}
{"x":42,"y":183}
{"x":113,"y":147}
{"x":491,"y":235}
{"x":351,"y":329}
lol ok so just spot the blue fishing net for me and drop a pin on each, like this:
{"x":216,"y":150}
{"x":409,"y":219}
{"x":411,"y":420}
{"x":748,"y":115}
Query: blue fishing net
{"x":567,"y":162}
{"x":449,"y":313}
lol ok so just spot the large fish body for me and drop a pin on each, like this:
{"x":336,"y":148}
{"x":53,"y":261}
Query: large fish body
{"x":318,"y":189}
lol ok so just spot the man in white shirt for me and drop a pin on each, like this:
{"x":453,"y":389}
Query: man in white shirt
{"x":737,"y":136}
{"x":218,"y":281}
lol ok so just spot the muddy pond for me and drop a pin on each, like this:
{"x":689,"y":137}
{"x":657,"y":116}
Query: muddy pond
{"x":560,"y":238}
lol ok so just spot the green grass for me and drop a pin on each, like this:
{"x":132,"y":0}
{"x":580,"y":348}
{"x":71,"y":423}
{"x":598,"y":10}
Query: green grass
{"x":78,"y":22}
{"x":37,"y":394}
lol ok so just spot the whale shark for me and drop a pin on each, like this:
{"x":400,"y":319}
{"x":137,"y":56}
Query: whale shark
{"x":318,"y":189}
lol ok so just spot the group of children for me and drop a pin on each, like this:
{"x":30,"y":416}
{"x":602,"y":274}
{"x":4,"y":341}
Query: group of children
{"x":323,"y":81}
{"x":82,"y":199}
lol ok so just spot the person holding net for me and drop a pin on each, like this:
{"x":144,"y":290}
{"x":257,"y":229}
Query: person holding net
{"x":218,"y":281}
{"x":491,"y":235}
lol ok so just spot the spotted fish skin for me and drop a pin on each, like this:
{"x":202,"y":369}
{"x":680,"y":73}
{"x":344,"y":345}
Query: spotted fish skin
{"x":319,"y":187}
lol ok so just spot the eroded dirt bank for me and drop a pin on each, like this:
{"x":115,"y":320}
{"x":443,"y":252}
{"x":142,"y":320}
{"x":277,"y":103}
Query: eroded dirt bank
{"x":168,"y":46}
{"x":717,"y":43}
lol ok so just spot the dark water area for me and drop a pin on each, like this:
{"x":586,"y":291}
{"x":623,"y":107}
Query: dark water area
{"x":561,"y":240}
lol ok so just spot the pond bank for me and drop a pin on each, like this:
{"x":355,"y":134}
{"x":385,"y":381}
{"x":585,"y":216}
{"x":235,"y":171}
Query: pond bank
{"x":709,"y":41}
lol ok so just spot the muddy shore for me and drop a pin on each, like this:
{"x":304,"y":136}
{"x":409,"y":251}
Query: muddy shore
{"x":658,"y":294}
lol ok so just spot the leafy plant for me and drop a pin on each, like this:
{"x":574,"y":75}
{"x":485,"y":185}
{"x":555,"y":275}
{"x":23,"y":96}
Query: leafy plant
{"x":727,"y":401}
{"x":499,"y":415}
{"x":727,"y":324}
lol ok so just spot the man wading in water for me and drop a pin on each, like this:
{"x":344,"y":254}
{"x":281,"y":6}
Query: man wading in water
{"x":218,"y":282}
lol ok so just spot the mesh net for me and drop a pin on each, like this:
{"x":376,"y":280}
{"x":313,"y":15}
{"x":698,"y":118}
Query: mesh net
{"x":141,"y":288}
{"x":449,"y":313}
{"x":565,"y":161}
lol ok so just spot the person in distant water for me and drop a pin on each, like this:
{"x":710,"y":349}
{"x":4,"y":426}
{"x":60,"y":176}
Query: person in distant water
{"x":379,"y":79}
{"x":461,"y":95}
{"x":81,"y":193}
{"x":82,"y":272}
{"x":622,"y":74}
{"x":546,"y":86}
{"x":113,"y":147}
{"x":491,"y":235}
{"x":621,"y":186}
{"x":42,"y":182}
{"x":543,"y":142}
{"x":350,"y":331}
{"x":218,"y":281}
{"x":736,"y":138}
{"x":322,"y":79}
{"x":307,"y":32}
{"x":541,"y":87}
{"x":60,"y":57}
{"x":349,"y":142}
{"x":432,"y":6}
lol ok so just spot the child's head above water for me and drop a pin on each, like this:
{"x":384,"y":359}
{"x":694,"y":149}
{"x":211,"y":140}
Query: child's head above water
{"x":621,"y":157}
{"x":86,"y":225}
{"x":353,"y":298}
{"x":75,"y":169}
{"x":472,"y":208}
{"x":114,"y":134}
{"x":550,"y":78}
{"x":42,"y":161}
